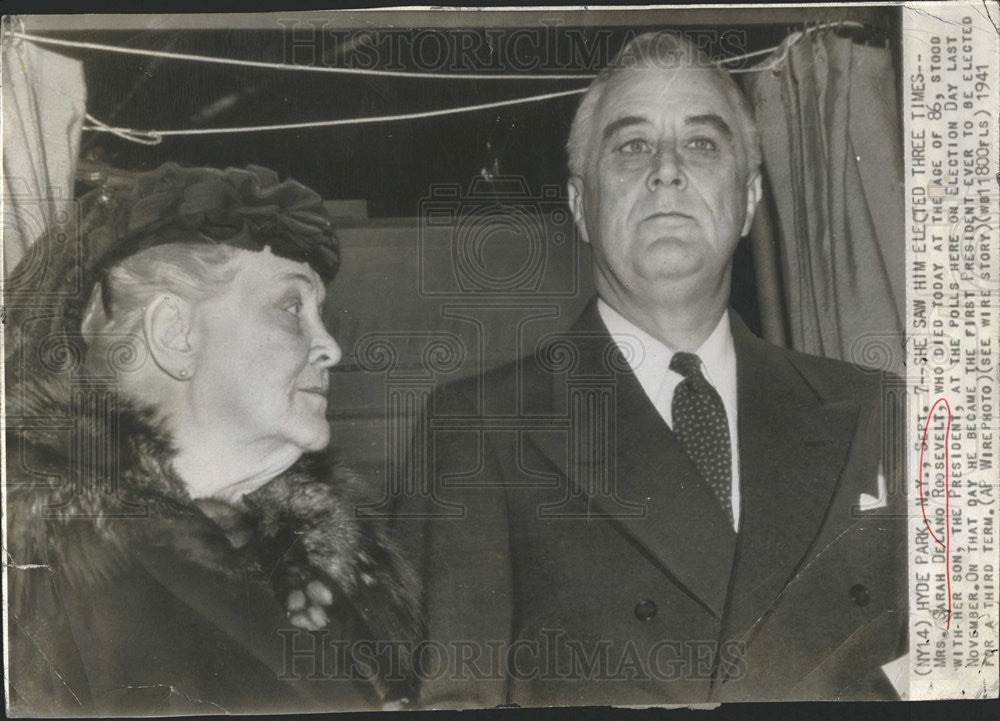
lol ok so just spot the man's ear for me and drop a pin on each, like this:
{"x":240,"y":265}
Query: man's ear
{"x":167,"y":325}
{"x":755,"y":191}
{"x":574,"y":193}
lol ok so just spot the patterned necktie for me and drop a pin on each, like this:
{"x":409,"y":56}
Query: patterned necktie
{"x":701,"y":424}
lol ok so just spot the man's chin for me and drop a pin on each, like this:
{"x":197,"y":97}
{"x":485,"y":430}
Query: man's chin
{"x":671,"y":258}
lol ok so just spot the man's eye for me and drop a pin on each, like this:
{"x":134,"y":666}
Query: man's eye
{"x":703,"y":144}
{"x":635,"y":146}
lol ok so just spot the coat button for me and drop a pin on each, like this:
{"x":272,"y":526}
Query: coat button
{"x":860,"y":595}
{"x":645,"y":610}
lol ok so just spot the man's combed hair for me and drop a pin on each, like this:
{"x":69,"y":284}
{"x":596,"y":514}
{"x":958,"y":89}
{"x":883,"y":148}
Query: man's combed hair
{"x":660,"y":49}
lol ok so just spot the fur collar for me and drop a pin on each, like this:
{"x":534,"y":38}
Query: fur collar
{"x":301,"y":526}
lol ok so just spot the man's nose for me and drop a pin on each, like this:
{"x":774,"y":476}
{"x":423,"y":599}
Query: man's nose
{"x":667,"y":169}
{"x":325,"y":351}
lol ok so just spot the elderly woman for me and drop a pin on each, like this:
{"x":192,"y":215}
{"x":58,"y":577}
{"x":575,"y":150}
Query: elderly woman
{"x":180,"y":540}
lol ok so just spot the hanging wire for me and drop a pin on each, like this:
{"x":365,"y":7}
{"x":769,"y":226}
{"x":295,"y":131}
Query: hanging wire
{"x":288,"y":66}
{"x":143,"y":137}
{"x":385,"y":73}
{"x":155,"y":137}
{"x":786,"y":47}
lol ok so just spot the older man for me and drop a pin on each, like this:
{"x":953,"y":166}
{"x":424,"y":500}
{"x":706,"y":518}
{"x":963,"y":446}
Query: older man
{"x":658,"y":506}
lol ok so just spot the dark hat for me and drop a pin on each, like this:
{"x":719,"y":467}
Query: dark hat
{"x":248,"y":209}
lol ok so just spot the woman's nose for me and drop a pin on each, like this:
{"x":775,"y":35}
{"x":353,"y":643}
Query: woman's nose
{"x":325,"y":351}
{"x":667,"y":169}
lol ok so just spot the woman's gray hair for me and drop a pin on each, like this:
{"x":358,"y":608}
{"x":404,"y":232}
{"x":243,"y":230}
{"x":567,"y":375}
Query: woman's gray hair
{"x":659,"y":49}
{"x":191,"y":271}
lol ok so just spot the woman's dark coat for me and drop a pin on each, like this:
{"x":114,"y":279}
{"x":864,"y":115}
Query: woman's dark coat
{"x":128,"y":597}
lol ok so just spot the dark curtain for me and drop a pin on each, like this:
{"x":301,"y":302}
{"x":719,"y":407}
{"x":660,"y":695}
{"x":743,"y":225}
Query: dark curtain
{"x":829,"y":243}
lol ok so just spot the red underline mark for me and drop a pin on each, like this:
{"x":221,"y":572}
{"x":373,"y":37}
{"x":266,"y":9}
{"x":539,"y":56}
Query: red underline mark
{"x":946,"y":543}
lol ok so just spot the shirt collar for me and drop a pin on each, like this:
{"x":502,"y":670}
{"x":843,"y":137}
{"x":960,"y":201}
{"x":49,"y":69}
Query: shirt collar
{"x":717,"y":353}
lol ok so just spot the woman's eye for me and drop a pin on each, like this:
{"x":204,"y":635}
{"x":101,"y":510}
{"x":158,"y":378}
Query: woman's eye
{"x":702,"y":144}
{"x":294,"y":308}
{"x":634,"y":146}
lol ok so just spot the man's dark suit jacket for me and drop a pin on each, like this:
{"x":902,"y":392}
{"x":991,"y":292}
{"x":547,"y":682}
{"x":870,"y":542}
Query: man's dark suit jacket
{"x":591,"y":565}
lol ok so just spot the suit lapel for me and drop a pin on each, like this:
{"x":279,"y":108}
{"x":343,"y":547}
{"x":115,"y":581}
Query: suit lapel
{"x":792,"y":448}
{"x":657,"y":500}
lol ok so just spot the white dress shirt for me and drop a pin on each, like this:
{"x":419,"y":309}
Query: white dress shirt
{"x":652,"y":369}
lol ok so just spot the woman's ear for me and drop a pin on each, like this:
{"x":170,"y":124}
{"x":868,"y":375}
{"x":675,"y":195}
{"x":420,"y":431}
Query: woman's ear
{"x":574,"y":193}
{"x":167,"y":325}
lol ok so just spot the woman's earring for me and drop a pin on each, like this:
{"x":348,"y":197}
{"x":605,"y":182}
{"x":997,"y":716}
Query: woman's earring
{"x":183,"y":373}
